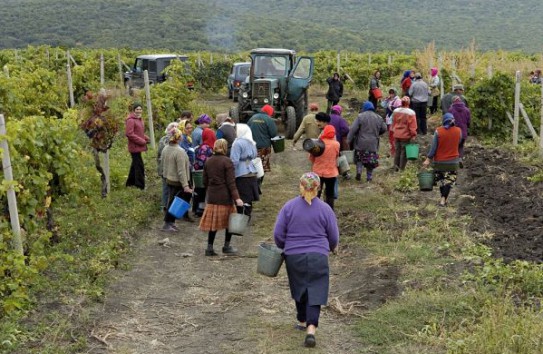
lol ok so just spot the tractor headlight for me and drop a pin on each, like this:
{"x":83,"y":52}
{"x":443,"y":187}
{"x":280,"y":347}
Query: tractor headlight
{"x":266,"y":100}
{"x":276,"y":95}
{"x":245,"y":95}
{"x":255,"y":101}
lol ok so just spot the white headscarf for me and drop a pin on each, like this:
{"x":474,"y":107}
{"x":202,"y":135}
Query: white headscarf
{"x":244,"y":132}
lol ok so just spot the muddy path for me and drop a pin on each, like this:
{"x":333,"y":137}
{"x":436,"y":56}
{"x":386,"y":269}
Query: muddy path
{"x":175,"y":300}
{"x":505,"y":206}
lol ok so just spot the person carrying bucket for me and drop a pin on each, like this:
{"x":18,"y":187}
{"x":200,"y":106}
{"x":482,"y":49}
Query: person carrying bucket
{"x":263,"y":129}
{"x":404,"y":128}
{"x":445,"y":156}
{"x":221,"y":195}
{"x":242,"y":154}
{"x":306,"y":229}
{"x":325,"y":165}
{"x":176,"y":170}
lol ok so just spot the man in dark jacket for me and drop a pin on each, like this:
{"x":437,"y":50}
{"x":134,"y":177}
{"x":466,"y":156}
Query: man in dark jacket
{"x":264,"y":129}
{"x":335,"y":91}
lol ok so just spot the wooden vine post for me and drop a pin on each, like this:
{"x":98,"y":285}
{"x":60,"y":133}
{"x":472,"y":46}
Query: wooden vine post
{"x":149,"y":108}
{"x":516,"y":113}
{"x":338,"y":61}
{"x":12,"y":200}
{"x":102,"y":70}
{"x":120,"y":67}
{"x":70,"y":84}
{"x":541,"y":124}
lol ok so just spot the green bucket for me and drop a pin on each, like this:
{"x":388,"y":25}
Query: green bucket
{"x":270,"y":259}
{"x":412,"y":151}
{"x":426,"y":180}
{"x":278,"y":143}
{"x":198,"y":179}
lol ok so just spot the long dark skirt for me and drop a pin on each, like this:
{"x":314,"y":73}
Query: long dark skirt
{"x":308,"y":272}
{"x":248,"y":189}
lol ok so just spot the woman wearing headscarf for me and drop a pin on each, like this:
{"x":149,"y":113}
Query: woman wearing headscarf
{"x":406,"y":82}
{"x":202,"y":153}
{"x":444,"y":156}
{"x":176,"y":167}
{"x":186,"y":140}
{"x":306,"y":229}
{"x":325,"y":165}
{"x":462,"y":119}
{"x":160,"y":169}
{"x":242,"y":154}
{"x":392,"y":102}
{"x":341,"y":126}
{"x":222,"y":193}
{"x":364,"y":133}
{"x":434,"y":89}
{"x":404,"y":128}
{"x":137,"y":143}
{"x":375,"y":83}
{"x":203,"y":122}
{"x":308,"y":128}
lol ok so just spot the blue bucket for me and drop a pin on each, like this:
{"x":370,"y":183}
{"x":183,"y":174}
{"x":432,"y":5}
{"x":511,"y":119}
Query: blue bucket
{"x":178,"y":208}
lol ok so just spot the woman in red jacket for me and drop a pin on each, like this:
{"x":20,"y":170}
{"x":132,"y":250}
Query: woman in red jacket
{"x":137,"y":143}
{"x":325,"y":165}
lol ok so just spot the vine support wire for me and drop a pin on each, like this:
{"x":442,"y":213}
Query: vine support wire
{"x":12,"y":199}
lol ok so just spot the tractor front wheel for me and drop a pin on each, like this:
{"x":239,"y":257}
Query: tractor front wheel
{"x":291,"y":122}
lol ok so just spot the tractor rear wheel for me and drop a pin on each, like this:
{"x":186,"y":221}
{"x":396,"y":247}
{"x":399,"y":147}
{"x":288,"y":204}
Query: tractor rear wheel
{"x":234,"y":113}
{"x":291,"y":122}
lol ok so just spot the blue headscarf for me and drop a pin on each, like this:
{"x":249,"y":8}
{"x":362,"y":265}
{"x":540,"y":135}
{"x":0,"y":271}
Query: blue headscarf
{"x":448,"y":120}
{"x":367,"y":106}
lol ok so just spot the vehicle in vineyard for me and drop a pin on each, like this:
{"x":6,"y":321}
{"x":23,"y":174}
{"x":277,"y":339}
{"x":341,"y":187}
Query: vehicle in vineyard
{"x":155,"y":65}
{"x":238,"y":74}
{"x":279,"y":79}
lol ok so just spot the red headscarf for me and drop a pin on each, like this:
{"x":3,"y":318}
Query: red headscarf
{"x":208,"y":137}
{"x":329,"y":132}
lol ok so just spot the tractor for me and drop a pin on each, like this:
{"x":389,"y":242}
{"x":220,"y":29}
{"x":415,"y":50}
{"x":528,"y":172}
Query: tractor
{"x":279,"y":79}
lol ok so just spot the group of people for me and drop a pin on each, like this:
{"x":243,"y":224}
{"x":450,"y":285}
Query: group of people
{"x":306,"y":227}
{"x":215,"y":170}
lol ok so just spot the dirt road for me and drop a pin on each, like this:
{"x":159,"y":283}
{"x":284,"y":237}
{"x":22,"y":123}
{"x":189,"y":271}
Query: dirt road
{"x":176,"y":300}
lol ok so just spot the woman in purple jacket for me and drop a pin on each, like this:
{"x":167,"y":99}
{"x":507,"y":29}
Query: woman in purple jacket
{"x":306,"y":229}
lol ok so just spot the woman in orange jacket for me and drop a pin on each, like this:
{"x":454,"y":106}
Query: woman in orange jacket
{"x":404,"y":127}
{"x":325,"y":165}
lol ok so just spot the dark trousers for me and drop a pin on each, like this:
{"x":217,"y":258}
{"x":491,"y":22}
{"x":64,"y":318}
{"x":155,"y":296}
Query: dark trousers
{"x":136,"y":176}
{"x":307,"y":313}
{"x":329,"y":184}
{"x":400,"y":158}
{"x":175,"y":191}
{"x":330,"y":104}
{"x":420,"y":111}
{"x":433,"y":109}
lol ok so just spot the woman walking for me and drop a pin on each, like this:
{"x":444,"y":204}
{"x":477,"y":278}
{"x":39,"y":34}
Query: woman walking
{"x":444,"y":156}
{"x":375,"y":84}
{"x":404,"y":128}
{"x":176,"y":170}
{"x":162,"y":143}
{"x":390,"y":104}
{"x":306,"y":229}
{"x":137,"y":143}
{"x":434,"y":89}
{"x":221,"y":195}
{"x":242,"y":153}
{"x":365,"y":132}
{"x":325,"y":165}
{"x":202,"y":153}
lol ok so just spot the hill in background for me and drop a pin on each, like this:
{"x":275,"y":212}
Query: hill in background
{"x":310,"y":25}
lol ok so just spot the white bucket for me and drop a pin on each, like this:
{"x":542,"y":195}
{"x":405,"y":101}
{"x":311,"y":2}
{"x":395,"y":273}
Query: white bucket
{"x":257,"y":163}
{"x":343,"y":165}
{"x":349,"y":154}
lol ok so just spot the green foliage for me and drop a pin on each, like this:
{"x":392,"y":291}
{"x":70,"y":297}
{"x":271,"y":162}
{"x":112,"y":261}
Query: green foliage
{"x":213,"y":76}
{"x":407,"y":182}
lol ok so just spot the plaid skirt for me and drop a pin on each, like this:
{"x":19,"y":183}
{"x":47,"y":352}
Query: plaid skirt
{"x":264,"y":155}
{"x":215,"y":217}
